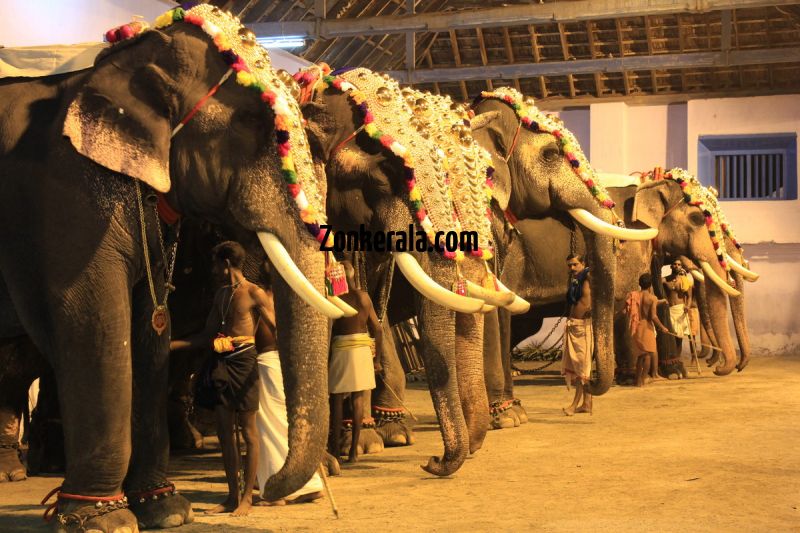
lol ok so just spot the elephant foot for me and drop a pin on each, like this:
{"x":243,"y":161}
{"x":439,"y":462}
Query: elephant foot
{"x":331,"y":465}
{"x":11,"y":468}
{"x":160,"y":507}
{"x":502,"y":416}
{"x":391,"y":426}
{"x":96,"y":517}
{"x":516,"y":406}
{"x":369,"y":441}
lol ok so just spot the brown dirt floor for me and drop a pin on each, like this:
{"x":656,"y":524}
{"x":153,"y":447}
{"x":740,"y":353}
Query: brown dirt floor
{"x":708,"y":453}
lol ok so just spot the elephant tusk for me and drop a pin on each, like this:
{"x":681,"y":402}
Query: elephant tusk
{"x":696,"y":274}
{"x":487,"y":309}
{"x":294,"y":277}
{"x":719,"y":282}
{"x":431,"y":290}
{"x":497,"y":298}
{"x":604,"y":228}
{"x":747,"y":274}
{"x":344,"y":306}
{"x":519,"y":306}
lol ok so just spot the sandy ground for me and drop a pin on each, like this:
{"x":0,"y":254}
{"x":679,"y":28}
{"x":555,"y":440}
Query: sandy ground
{"x":708,"y":453}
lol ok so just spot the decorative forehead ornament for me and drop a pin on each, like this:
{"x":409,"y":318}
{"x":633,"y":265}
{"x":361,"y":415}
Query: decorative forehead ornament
{"x":469,"y":165}
{"x":254,"y":71}
{"x":695,"y":194}
{"x":383,"y":109}
{"x":535,"y":120}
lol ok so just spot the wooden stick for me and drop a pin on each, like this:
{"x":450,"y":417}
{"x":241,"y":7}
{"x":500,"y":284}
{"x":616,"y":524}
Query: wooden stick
{"x":328,"y":490}
{"x":701,"y":344}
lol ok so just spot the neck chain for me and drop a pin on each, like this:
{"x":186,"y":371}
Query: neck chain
{"x":160,"y":315}
{"x":227,"y":308}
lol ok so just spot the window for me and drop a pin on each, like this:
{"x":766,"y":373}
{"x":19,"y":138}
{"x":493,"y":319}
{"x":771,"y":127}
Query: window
{"x":749,"y":167}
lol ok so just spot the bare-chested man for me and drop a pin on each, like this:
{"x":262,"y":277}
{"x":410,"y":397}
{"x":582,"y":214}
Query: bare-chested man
{"x":355,"y":357}
{"x":641,"y":307}
{"x":578,"y":337}
{"x":678,"y":288}
{"x":241,"y":324}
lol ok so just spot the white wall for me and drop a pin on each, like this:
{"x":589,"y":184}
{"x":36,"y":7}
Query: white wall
{"x":42,"y":22}
{"x":753,"y":221}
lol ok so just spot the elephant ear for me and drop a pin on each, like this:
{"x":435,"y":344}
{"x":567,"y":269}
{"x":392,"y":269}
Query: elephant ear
{"x":650,"y":203}
{"x":121,"y":117}
{"x":490,"y":121}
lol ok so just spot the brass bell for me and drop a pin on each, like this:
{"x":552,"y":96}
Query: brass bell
{"x":420,"y":106}
{"x":362,"y":75}
{"x":530,"y":102}
{"x":423,"y":132}
{"x":246,"y":36}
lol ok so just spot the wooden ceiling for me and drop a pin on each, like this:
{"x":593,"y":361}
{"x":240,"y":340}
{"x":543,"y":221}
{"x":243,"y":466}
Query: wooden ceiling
{"x":666,"y":56}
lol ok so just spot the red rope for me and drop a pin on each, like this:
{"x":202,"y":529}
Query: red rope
{"x":514,"y":141}
{"x":166,"y":212}
{"x":151,"y":493}
{"x":198,"y":105}
{"x":346,"y":140}
{"x":51,"y":509}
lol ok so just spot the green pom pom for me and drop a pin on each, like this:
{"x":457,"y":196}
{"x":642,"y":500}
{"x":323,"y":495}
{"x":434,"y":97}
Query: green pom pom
{"x":177,"y":14}
{"x":290,"y":176}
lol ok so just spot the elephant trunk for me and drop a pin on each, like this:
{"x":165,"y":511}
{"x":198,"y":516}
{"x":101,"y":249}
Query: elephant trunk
{"x":602,"y":258}
{"x":739,"y":324}
{"x":304,"y":356}
{"x":471,"y":384}
{"x":718,"y":307}
{"x":437,"y":333}
{"x":705,"y":311}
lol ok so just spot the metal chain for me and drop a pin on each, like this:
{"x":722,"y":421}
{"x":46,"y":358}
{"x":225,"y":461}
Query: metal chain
{"x":146,"y":248}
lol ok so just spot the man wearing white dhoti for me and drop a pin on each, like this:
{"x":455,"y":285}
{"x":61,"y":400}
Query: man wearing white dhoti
{"x":273,"y":430}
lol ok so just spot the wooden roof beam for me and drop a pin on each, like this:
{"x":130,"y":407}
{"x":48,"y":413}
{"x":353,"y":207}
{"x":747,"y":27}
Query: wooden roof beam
{"x":587,"y":66}
{"x":457,"y":57}
{"x":515,"y":15}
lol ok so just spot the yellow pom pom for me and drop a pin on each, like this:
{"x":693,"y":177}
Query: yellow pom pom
{"x":459,"y":256}
{"x":415,"y":195}
{"x":244,"y":78}
{"x":163,"y":20}
{"x":371,"y":129}
{"x":287,"y":163}
{"x":486,"y":255}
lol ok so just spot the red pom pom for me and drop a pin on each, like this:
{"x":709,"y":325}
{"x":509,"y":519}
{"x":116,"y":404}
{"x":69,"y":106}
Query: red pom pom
{"x":126,"y":32}
{"x":421,"y":214}
{"x":386,"y":141}
{"x":268,"y":97}
{"x":283,"y":149}
{"x":111,"y":35}
{"x":294,"y":189}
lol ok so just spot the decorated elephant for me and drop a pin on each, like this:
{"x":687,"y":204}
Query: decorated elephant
{"x":540,"y":171}
{"x":683,"y":232}
{"x":385,"y":170}
{"x":87,"y":159}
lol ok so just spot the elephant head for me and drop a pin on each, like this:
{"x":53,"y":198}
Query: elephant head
{"x":687,"y":228}
{"x":540,"y":171}
{"x":194,"y":110}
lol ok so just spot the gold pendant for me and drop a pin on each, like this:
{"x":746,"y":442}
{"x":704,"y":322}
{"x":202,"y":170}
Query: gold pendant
{"x":159,"y":319}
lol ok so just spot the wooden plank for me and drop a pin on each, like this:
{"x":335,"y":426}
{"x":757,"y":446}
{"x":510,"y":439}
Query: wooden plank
{"x":537,"y":57}
{"x":625,"y":81}
{"x":598,"y":81}
{"x":648,"y":28}
{"x":457,"y":58}
{"x":565,"y":51}
{"x":513,"y":15}
{"x":484,"y":60}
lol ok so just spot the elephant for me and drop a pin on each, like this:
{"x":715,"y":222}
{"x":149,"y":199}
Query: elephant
{"x":87,"y":157}
{"x":682,"y":233}
{"x":368,"y":184}
{"x":540,"y":172}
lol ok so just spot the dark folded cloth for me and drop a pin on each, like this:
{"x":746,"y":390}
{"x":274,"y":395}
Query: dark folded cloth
{"x":229,"y":379}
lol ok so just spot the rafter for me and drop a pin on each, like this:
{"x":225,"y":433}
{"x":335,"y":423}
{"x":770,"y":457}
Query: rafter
{"x":625,"y":81}
{"x":457,"y":58}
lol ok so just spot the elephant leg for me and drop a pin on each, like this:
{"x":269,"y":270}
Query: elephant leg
{"x":437,"y":334}
{"x":504,"y":323}
{"x":471,"y":384}
{"x":389,"y":395}
{"x":17,"y":357}
{"x":493,"y":374}
{"x":152,"y":498}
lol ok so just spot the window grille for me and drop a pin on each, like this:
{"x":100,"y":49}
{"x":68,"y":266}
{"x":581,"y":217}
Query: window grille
{"x":750,"y":167}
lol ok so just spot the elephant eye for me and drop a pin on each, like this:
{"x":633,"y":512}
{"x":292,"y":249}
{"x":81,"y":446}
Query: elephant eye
{"x":697,"y":218}
{"x":551,"y":153}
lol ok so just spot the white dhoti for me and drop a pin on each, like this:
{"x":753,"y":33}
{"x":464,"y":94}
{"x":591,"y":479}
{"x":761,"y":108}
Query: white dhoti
{"x":679,"y":319}
{"x":350,"y":368}
{"x":576,"y":363}
{"x":273,"y":425}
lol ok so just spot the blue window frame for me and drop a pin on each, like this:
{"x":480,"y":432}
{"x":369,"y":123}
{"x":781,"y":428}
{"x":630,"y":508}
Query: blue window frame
{"x":749,"y":167}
